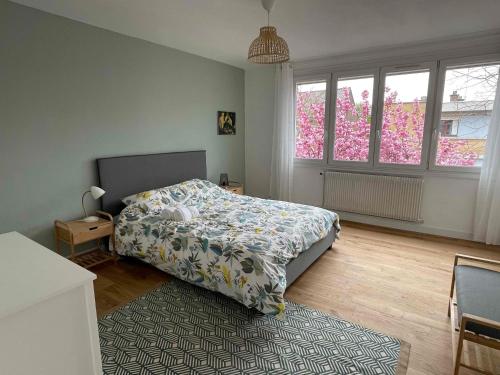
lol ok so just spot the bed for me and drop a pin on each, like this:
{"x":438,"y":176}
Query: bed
{"x":248,"y":248}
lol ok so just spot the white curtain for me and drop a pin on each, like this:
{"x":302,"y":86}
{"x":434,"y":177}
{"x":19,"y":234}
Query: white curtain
{"x":283,"y":134}
{"x":487,"y":217}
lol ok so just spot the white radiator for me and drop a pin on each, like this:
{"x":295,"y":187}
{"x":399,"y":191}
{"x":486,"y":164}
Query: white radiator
{"x":395,"y":197}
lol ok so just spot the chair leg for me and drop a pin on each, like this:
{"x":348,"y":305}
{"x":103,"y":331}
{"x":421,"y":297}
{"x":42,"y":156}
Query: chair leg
{"x":458,"y":356}
{"x":452,"y":287}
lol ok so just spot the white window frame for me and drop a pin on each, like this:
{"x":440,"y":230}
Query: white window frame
{"x":305,"y":79}
{"x":443,"y":66}
{"x":352,"y":74}
{"x":437,"y":68}
{"x":401,"y":69}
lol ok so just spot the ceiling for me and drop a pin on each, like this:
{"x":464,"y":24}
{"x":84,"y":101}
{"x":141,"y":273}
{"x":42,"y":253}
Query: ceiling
{"x":223,"y":29}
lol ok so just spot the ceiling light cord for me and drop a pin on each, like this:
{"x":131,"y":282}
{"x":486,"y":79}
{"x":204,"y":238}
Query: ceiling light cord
{"x":268,"y":6}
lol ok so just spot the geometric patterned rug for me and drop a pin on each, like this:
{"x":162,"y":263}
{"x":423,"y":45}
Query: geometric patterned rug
{"x":179,"y":328}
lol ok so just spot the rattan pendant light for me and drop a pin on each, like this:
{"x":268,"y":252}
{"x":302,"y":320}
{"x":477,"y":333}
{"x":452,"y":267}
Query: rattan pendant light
{"x":268,"y":47}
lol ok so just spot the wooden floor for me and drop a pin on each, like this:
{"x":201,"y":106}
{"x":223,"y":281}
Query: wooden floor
{"x":393,"y":283}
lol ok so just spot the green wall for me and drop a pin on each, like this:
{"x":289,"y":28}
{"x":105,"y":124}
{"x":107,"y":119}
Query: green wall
{"x":259,"y":120}
{"x":71,"y":93}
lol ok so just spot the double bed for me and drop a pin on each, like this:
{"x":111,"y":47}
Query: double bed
{"x":249,"y":249}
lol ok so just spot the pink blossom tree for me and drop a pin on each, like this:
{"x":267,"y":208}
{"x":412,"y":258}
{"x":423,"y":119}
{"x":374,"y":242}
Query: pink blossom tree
{"x":402,"y":130}
{"x":310,"y":124}
{"x":352,"y":127}
{"x":454,"y":152}
{"x":401,"y":134}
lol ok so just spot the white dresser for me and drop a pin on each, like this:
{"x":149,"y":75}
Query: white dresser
{"x":48,"y":323}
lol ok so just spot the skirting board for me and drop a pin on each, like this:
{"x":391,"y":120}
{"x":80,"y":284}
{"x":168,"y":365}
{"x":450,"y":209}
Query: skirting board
{"x":396,"y":224}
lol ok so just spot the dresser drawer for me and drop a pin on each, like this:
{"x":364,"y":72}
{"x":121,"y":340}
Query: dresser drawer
{"x":93,"y":233}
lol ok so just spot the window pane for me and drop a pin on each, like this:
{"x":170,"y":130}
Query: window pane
{"x":310,"y":120}
{"x":468,"y":96}
{"x":403,"y":118}
{"x":353,"y":119}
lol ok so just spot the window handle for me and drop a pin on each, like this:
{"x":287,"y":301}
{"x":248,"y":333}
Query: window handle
{"x":435,"y":133}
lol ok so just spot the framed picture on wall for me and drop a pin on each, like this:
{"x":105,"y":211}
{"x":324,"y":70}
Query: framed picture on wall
{"x":226,"y":123}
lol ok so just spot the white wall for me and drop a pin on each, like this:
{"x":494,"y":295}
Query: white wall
{"x":447,"y":205}
{"x":259,"y":113}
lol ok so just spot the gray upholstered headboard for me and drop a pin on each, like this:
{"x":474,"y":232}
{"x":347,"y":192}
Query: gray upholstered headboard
{"x":125,"y":175}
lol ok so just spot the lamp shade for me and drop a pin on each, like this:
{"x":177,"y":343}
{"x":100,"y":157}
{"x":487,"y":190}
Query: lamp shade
{"x":268,"y":48}
{"x":96,"y":192}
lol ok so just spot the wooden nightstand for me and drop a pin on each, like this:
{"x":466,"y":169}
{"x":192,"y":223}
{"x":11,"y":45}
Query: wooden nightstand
{"x":77,"y":232}
{"x":234,"y":187}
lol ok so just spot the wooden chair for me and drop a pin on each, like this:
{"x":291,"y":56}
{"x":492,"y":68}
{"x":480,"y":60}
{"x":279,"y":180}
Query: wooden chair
{"x":475,"y":313}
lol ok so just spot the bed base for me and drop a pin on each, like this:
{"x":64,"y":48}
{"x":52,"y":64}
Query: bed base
{"x":300,"y":264}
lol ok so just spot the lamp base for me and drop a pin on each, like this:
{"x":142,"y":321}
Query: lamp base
{"x":90,"y":219}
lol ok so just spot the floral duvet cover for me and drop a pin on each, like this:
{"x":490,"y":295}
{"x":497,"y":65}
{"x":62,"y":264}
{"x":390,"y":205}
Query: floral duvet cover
{"x":238,"y":245}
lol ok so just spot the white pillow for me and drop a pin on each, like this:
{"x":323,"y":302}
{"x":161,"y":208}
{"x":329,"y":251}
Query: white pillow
{"x":179,"y":213}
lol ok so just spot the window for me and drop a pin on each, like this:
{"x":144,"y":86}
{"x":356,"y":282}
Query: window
{"x":403,"y":118}
{"x":310,"y":103}
{"x":449,"y":128}
{"x":353,"y":117}
{"x":468,"y":97}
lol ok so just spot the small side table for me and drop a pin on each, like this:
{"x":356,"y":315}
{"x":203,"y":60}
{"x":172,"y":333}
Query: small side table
{"x":234,"y":187}
{"x":77,"y":232}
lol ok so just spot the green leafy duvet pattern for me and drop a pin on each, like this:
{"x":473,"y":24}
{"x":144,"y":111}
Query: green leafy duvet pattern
{"x":238,"y":245}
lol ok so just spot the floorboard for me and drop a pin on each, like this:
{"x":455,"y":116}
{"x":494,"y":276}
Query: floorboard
{"x":392,"y":282}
